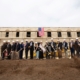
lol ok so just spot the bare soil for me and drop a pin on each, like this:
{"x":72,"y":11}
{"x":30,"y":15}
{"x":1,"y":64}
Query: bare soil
{"x":48,"y":69}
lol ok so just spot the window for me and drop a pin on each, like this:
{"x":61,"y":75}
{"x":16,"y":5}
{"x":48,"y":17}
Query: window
{"x":48,"y":34}
{"x":38,"y":34}
{"x":28,"y":34}
{"x":7,"y":34}
{"x":78,"y":34}
{"x":69,"y":34}
{"x":59,"y":34}
{"x":17,"y":34}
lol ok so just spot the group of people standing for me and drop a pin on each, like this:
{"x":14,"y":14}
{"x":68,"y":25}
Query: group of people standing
{"x":15,"y":50}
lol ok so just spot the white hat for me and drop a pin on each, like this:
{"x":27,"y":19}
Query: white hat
{"x":76,"y":38}
{"x":71,"y":39}
{"x":46,"y":41}
{"x":35,"y":42}
{"x":8,"y":40}
{"x":26,"y":40}
{"x":58,"y":40}
{"x":12,"y":41}
{"x":17,"y":40}
{"x":40,"y":41}
{"x":64,"y":39}
{"x":4,"y":41}
{"x":22,"y":41}
{"x":31,"y":39}
{"x":51,"y":38}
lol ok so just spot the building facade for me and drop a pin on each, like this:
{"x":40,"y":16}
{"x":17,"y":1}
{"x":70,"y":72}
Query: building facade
{"x":23,"y":33}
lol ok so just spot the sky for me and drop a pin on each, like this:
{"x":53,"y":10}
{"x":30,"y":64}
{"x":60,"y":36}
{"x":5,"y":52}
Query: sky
{"x":39,"y":13}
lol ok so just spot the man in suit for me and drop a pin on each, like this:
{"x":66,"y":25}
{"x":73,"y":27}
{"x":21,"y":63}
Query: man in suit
{"x":59,"y":49}
{"x":21,"y":50}
{"x":26,"y":49}
{"x":9,"y":49}
{"x":65,"y":46}
{"x":3,"y":47}
{"x":71,"y":47}
{"x":59,"y":45}
{"x":77,"y":46}
{"x":31,"y":44}
{"x":17,"y":49}
{"x":13,"y":48}
{"x":53,"y":47}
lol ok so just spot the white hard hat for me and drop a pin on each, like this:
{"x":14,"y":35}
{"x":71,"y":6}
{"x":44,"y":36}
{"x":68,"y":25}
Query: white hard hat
{"x":51,"y":38}
{"x":31,"y":39}
{"x":35,"y":42}
{"x":76,"y":38}
{"x":8,"y":40}
{"x":17,"y":40}
{"x":58,"y":40}
{"x":12,"y":41}
{"x":4,"y":41}
{"x":71,"y":39}
{"x":26,"y":40}
{"x":46,"y":41}
{"x":22,"y":41}
{"x":64,"y":39}
{"x":40,"y":41}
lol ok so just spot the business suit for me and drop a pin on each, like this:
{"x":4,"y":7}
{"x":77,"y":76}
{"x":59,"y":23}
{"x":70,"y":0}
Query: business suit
{"x":21,"y":51}
{"x":53,"y":48}
{"x":72,"y":48}
{"x":65,"y":46}
{"x":9,"y":50}
{"x":3,"y":47}
{"x":31,"y":44}
{"x":59,"y":49}
{"x":13,"y":48}
{"x":17,"y":49}
{"x":26,"y":49}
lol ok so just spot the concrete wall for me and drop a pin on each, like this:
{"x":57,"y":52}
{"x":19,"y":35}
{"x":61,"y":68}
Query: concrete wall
{"x":23,"y":30}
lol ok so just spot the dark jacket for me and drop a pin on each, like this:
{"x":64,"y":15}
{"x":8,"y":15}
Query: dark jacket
{"x":66,"y":45}
{"x":27,"y":46}
{"x":9,"y":48}
{"x":22,"y":46}
{"x":54,"y":46}
{"x":13,"y":47}
{"x":60,"y":45}
{"x":31,"y":46}
{"x":17,"y":48}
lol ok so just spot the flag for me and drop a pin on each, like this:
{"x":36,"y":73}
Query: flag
{"x":41,"y":31}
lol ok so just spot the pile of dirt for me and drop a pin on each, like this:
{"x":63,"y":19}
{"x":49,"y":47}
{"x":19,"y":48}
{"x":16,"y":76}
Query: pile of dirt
{"x":48,"y":69}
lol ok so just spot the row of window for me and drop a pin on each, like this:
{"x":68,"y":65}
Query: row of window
{"x":28,"y":34}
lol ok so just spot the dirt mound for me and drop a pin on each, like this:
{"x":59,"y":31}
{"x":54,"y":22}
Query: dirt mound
{"x":62,"y":69}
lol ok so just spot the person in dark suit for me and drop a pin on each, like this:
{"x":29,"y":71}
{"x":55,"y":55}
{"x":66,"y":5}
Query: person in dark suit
{"x":26,"y":49}
{"x":9,"y":49}
{"x":78,"y":54}
{"x":65,"y":46}
{"x":17,"y":49}
{"x":3,"y":48}
{"x":17,"y":46}
{"x":71,"y":43}
{"x":76,"y":46}
{"x":31,"y":44}
{"x":40,"y":50}
{"x":59,"y":48}
{"x":13,"y":48}
{"x":59,"y":45}
{"x":21,"y":50}
{"x":53,"y":47}
{"x":47,"y":50}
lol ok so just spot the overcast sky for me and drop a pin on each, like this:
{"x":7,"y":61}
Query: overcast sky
{"x":39,"y":13}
